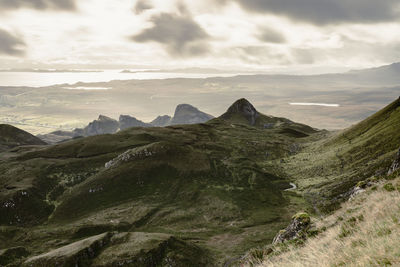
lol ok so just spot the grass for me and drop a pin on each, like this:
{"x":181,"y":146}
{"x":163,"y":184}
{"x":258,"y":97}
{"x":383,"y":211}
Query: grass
{"x":218,"y":185}
{"x":363,"y":232}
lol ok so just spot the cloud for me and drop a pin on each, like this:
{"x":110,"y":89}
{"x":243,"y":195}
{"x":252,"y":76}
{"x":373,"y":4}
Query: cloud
{"x":10,"y":44}
{"x":326,"y":11}
{"x":180,"y":35}
{"x":271,"y":36}
{"x":141,"y":6}
{"x":68,"y":5}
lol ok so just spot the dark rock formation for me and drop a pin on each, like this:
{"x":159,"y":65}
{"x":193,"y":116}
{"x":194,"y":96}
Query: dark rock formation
{"x":161,"y":121}
{"x":187,"y":114}
{"x":103,"y":125}
{"x":395,"y":165}
{"x":242,"y":108}
{"x":297,"y":229}
{"x":126,"y":121}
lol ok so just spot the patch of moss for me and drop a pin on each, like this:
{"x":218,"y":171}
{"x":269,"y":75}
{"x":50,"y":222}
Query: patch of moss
{"x":389,"y":187}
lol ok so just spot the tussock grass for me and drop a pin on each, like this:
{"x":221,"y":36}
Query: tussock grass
{"x":364,"y":232}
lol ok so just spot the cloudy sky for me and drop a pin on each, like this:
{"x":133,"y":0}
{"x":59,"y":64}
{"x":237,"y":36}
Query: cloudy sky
{"x":272,"y":35}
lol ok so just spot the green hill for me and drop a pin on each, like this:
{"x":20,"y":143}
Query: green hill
{"x":199,"y":194}
{"x":11,"y":136}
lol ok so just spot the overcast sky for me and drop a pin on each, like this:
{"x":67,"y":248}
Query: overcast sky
{"x":273,"y":35}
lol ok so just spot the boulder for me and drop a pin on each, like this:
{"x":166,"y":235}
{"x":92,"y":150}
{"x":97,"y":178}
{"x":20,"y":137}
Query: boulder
{"x":297,"y":229}
{"x":395,"y":165}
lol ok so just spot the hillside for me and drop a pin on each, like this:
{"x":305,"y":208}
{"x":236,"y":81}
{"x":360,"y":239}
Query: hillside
{"x":11,"y":137}
{"x":199,"y":195}
{"x":199,"y":184}
{"x":363,"y":232}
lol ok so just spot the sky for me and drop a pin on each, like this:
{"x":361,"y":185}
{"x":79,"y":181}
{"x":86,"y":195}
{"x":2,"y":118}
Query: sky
{"x":310,"y":36}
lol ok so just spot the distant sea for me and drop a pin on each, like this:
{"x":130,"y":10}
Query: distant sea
{"x":40,"y":79}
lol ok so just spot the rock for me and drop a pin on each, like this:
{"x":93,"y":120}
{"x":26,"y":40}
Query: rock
{"x":161,"y":121}
{"x":12,"y":254}
{"x":103,"y":125}
{"x":242,"y":108}
{"x":126,"y":122}
{"x":187,"y":114}
{"x":297,"y":229}
{"x":395,"y":165}
{"x":76,"y":254}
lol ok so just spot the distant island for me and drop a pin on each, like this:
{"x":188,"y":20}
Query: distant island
{"x":188,"y":70}
{"x":47,"y":70}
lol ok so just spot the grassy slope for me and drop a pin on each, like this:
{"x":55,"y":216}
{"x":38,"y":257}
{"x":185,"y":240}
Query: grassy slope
{"x":204,"y":183}
{"x":330,"y":166}
{"x":363,"y":232}
{"x":217,"y":184}
{"x":11,"y":137}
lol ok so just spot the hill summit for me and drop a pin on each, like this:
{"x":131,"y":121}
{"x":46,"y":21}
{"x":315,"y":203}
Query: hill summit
{"x":188,"y":114}
{"x":11,"y":136}
{"x":242,"y":108}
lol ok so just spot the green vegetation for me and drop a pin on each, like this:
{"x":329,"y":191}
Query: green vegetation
{"x":199,"y":195}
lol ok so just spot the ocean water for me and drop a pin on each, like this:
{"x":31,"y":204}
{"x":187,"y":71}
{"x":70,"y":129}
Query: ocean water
{"x":38,"y":79}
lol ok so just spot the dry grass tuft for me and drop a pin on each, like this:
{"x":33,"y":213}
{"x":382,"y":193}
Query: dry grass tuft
{"x":364,"y":232}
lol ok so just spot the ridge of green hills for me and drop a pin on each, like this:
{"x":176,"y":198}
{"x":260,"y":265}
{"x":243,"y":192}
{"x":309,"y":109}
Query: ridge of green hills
{"x":188,"y":195}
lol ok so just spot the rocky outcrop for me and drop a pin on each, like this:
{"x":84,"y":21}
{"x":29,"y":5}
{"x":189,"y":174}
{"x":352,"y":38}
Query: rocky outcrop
{"x":395,"y":165}
{"x":76,"y":254}
{"x":187,"y":114}
{"x":297,"y":229}
{"x":126,"y":121}
{"x":103,"y":125}
{"x":161,"y":121}
{"x":242,"y":108}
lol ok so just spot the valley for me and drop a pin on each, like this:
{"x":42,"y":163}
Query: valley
{"x":195,"y":195}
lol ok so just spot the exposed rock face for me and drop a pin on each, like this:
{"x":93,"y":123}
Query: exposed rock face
{"x":76,"y":254}
{"x":11,"y":136}
{"x":187,"y":114}
{"x":301,"y":222}
{"x":161,"y":121}
{"x":243,"y":108}
{"x":103,"y":125}
{"x":395,"y":165}
{"x":126,"y":121}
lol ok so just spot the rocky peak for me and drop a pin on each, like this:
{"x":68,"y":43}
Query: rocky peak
{"x":243,"y":108}
{"x":161,"y":121}
{"x":126,"y":121}
{"x":103,"y":125}
{"x":187,"y":114}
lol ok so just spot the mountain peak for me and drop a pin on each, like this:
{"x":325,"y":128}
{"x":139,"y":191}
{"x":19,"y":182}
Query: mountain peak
{"x":188,"y":114}
{"x":244,"y":108}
